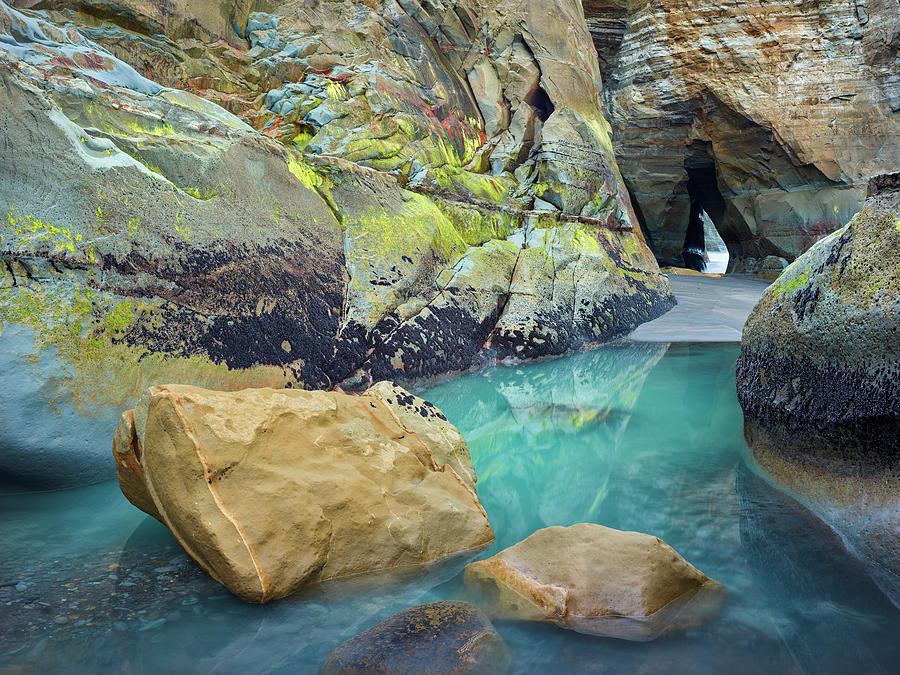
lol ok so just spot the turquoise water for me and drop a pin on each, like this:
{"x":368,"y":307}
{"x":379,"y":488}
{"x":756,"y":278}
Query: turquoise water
{"x":644,"y":437}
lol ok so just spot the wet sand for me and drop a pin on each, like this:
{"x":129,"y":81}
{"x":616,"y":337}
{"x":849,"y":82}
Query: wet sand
{"x":709,"y":309}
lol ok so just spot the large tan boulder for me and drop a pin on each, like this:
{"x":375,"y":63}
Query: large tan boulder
{"x":268,"y":490}
{"x":595,"y":580}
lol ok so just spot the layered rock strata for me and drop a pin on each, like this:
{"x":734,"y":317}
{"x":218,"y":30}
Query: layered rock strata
{"x":819,"y":380}
{"x":269,"y":490}
{"x":333,"y":194}
{"x":773,"y":115}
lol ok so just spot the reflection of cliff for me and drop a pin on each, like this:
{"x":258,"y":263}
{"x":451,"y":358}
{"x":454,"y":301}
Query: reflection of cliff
{"x":683,"y":442}
{"x":557,"y":424}
{"x":823,"y":590}
{"x":856,"y":494}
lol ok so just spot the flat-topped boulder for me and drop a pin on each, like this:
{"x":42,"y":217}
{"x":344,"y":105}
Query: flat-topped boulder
{"x":269,"y":490}
{"x":595,"y":580}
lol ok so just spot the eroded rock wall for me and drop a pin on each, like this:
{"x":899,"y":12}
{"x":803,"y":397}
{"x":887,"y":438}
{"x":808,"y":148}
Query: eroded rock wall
{"x":783,"y":110}
{"x":329,"y":193}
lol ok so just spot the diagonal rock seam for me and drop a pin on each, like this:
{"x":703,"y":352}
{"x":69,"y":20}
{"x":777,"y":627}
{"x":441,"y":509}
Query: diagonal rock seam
{"x":434,"y":465}
{"x":162,"y":394}
{"x":188,"y":426}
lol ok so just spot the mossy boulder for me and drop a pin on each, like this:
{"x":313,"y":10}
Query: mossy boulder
{"x":819,"y":381}
{"x":821,"y":347}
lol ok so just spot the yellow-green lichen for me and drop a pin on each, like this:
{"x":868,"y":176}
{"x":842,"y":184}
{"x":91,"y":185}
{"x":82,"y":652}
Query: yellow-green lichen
{"x":182,"y":228}
{"x":785,"y":285}
{"x":418,"y":225}
{"x":438,"y":151}
{"x":476,"y":226}
{"x":95,"y":366}
{"x":312,"y":179}
{"x":156,"y":128}
{"x":56,"y":316}
{"x":123,"y":315}
{"x":602,"y":131}
{"x":196,"y":193}
{"x":362,"y":149}
{"x":629,"y":241}
{"x":27,"y":229}
{"x":336,"y":91}
{"x":307,"y":175}
{"x":586,"y":241}
{"x":302,"y":139}
{"x":478,"y":186}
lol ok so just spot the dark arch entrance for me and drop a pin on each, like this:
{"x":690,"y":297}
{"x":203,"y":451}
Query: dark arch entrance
{"x":703,"y":193}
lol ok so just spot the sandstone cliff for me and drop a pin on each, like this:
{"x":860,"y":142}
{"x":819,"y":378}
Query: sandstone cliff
{"x":773,"y":114}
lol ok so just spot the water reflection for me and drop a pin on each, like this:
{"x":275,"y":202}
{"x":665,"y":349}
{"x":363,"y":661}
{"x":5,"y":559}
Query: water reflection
{"x":817,"y":586}
{"x":547,"y":430}
{"x":633,"y":436}
{"x":853,"y":485}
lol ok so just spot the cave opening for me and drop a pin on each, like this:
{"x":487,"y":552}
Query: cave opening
{"x":540,"y":101}
{"x":704,"y":249}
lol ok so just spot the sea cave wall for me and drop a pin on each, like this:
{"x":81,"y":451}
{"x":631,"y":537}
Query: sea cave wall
{"x":782,"y":110}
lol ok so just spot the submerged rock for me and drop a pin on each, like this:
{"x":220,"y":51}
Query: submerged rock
{"x":595,"y":580}
{"x":269,"y":490}
{"x":800,"y":564}
{"x":819,"y":380}
{"x":431,"y":639}
{"x":853,"y":490}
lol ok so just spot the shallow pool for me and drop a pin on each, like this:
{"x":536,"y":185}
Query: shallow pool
{"x":634,"y":436}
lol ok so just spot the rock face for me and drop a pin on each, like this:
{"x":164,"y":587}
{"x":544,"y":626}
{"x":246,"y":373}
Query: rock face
{"x":819,"y":380}
{"x":335,"y":194}
{"x":269,"y":490}
{"x":774,"y":115}
{"x":595,"y":580}
{"x":434,"y":638}
{"x":821,"y":347}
